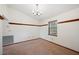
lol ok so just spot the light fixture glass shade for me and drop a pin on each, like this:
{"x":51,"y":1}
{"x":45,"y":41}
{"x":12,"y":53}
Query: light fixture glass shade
{"x":36,"y":11}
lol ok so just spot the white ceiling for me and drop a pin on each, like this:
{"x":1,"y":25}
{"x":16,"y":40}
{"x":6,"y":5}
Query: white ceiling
{"x":48,"y":10}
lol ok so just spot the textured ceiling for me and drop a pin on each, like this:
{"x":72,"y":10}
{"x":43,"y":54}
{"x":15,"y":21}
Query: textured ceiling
{"x":47,"y":10}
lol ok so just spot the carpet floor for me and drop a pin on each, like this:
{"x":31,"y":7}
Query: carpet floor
{"x":36,"y":47}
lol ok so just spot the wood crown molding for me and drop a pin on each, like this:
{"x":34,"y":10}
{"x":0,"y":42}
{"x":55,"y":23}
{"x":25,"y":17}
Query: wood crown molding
{"x":67,"y":21}
{"x":26,"y":24}
{"x":1,"y":17}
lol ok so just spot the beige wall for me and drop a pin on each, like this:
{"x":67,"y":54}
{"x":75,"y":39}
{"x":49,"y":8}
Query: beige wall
{"x":23,"y":33}
{"x":2,"y":11}
{"x":68,"y":33}
{"x":0,"y":37}
{"x":20,"y":32}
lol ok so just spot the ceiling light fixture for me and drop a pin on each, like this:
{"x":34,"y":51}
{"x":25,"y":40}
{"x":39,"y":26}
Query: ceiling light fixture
{"x":36,"y":11}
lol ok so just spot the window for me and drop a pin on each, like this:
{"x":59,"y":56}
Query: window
{"x":52,"y":28}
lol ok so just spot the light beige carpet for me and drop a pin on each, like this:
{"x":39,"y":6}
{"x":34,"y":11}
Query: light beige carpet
{"x":37,"y":47}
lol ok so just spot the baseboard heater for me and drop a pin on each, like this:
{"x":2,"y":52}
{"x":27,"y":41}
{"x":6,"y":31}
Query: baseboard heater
{"x":8,"y":40}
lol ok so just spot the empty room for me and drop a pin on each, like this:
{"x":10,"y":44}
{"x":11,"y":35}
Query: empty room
{"x":39,"y":29}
